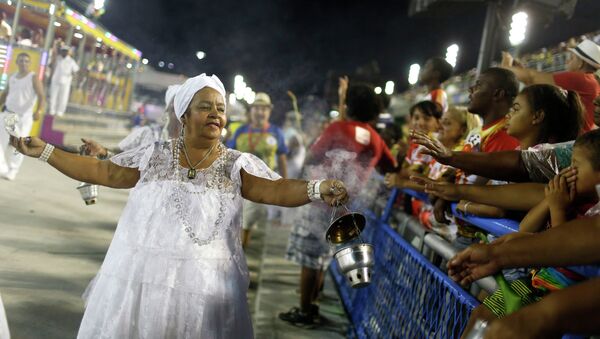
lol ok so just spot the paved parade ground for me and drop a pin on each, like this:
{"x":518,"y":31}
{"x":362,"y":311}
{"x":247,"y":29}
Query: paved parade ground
{"x":52,"y":245}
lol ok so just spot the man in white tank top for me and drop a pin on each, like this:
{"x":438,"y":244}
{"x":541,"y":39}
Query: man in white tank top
{"x":23,"y":91}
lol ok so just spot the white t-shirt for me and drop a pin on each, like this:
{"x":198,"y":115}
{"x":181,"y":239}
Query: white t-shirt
{"x":65,"y":67}
{"x":21,"y":95}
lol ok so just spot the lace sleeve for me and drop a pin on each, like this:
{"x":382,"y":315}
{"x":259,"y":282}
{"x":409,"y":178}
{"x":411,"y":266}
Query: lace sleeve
{"x":134,"y":158}
{"x":137,"y":137}
{"x":252,"y":165}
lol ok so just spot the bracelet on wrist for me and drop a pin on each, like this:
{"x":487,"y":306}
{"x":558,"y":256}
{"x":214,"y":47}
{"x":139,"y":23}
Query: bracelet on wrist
{"x":313,"y":190}
{"x":46,"y":153}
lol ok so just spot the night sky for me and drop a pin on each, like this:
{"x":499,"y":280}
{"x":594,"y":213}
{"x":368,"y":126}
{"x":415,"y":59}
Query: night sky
{"x":292,"y":44}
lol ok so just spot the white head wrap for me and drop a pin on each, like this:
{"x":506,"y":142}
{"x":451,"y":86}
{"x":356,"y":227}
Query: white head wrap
{"x":186,"y":92}
{"x":170,"y":95}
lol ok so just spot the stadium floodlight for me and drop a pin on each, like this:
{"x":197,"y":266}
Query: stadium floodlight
{"x":200,"y":55}
{"x":249,"y":95}
{"x":389,"y":88}
{"x":413,"y":74}
{"x":232,"y":98}
{"x":239,"y":87}
{"x":452,"y":54}
{"x":378,"y":90}
{"x":518,"y":28}
{"x":144,"y":61}
{"x":99,"y":4}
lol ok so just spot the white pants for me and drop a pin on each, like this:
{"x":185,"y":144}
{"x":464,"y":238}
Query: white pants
{"x":9,"y":161}
{"x":59,"y":98}
{"x":4,"y":334}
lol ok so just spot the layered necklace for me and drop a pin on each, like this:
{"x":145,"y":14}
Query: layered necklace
{"x":191,"y":174}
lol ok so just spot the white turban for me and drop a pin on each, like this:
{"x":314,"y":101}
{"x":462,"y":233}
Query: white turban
{"x":170,"y":95}
{"x":191,"y":86}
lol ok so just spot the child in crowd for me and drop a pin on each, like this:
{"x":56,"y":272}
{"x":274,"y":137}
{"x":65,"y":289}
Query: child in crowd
{"x":571,"y":194}
{"x":425,"y":117}
{"x":455,"y":125}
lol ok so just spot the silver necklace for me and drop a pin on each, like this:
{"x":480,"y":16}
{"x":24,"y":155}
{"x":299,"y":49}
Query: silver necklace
{"x":192,"y":170}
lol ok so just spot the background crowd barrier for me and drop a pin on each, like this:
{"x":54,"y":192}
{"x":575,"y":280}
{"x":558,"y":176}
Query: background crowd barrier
{"x":410,"y":295}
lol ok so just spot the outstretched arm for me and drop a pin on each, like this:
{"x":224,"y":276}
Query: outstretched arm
{"x":80,"y":168}
{"x":289,"y":192}
{"x":506,"y":165}
{"x":525,"y":75}
{"x":574,"y":244}
{"x":501,"y":196}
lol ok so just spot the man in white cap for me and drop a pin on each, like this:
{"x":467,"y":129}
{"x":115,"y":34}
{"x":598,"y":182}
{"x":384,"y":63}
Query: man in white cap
{"x":60,"y":86}
{"x":267,"y":142}
{"x":582,"y":75}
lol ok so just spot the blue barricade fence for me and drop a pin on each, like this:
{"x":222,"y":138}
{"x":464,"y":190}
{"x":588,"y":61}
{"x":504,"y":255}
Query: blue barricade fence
{"x":408,"y":298}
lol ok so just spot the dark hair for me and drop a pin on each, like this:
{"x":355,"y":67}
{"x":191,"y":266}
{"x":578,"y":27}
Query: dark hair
{"x":504,"y":80}
{"x":591,"y":142}
{"x":363,"y":104}
{"x":429,"y":108}
{"x":442,"y":67}
{"x":26,"y":33}
{"x":563,"y":112}
{"x":23,"y":54}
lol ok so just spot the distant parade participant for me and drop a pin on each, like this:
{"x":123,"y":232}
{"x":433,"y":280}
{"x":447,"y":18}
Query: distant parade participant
{"x":175,"y":267}
{"x":142,"y":135}
{"x":23,"y":91}
{"x":267,"y":142}
{"x":60,"y":86}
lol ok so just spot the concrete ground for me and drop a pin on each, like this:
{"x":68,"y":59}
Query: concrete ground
{"x":52,"y":244}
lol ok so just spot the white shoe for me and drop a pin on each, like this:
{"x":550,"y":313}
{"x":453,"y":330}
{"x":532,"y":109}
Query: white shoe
{"x":10,"y":175}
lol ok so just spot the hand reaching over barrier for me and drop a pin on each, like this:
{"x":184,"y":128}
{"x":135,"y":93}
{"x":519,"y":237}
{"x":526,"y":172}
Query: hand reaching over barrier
{"x":433,"y":147}
{"x":440,"y":189}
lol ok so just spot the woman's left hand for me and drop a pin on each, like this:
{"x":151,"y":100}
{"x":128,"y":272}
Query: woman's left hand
{"x":334,"y":192}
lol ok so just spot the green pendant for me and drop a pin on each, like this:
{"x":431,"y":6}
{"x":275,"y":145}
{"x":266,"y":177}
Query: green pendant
{"x":191,"y":173}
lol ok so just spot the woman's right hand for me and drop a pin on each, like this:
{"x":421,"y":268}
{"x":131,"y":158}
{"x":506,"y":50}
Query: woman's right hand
{"x":30,"y":146}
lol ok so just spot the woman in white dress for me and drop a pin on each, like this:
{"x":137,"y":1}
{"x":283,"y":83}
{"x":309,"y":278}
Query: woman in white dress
{"x":175,"y":267}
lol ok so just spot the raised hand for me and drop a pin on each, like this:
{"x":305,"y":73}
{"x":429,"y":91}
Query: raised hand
{"x":507,"y":60}
{"x":334,"y":192}
{"x":343,"y":86}
{"x":432,"y":146}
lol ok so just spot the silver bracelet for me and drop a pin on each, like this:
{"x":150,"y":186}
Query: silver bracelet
{"x":46,"y":153}
{"x":467,"y":205}
{"x":313,"y":190}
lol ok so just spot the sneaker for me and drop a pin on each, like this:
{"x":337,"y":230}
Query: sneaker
{"x":296,"y":317}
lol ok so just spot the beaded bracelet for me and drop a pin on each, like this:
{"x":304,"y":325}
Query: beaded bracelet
{"x":313,"y":190}
{"x":46,"y":153}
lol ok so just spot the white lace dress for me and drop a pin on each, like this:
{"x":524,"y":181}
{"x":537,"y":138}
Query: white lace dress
{"x":175,"y":267}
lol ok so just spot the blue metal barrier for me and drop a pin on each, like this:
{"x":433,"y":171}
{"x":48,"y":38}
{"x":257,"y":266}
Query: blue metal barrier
{"x":408,"y":298}
{"x":497,"y":227}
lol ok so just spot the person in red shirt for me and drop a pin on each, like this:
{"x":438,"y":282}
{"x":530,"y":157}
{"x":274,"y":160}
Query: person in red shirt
{"x":582,"y":76}
{"x":348,"y":149}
